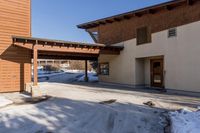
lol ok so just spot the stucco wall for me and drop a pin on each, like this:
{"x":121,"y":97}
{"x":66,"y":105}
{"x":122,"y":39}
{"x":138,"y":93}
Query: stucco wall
{"x":181,"y":59}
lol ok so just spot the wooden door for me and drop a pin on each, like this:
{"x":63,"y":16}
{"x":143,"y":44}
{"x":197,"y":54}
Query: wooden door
{"x":157,"y":77}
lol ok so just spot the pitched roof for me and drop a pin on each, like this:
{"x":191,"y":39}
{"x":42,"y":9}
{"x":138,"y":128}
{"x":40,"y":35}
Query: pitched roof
{"x":62,"y":43}
{"x":136,"y":13}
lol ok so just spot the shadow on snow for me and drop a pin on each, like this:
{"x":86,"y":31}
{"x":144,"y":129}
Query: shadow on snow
{"x":69,"y":116}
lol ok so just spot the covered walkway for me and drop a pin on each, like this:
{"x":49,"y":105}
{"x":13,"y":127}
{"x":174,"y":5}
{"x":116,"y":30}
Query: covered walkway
{"x":57,"y":49}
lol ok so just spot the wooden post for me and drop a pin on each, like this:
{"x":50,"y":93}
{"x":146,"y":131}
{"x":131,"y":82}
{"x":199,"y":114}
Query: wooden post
{"x":86,"y":71}
{"x":35,"y":65}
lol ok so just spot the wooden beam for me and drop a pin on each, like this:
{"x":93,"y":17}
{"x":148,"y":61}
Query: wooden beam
{"x":151,"y":11}
{"x":109,"y":21}
{"x":138,"y":14}
{"x":94,"y":39}
{"x":169,"y":7}
{"x":49,"y":53}
{"x":109,"y":52}
{"x":35,"y":65}
{"x":86,"y":71}
{"x":69,"y":50}
{"x":127,"y":17}
{"x":27,"y":46}
{"x":86,"y":49}
{"x":67,"y":57}
{"x":189,"y":2}
{"x":101,"y":22}
{"x":117,"y":19}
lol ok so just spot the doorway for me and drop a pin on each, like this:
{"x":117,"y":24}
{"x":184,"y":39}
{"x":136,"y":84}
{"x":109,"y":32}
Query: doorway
{"x":157,"y":76}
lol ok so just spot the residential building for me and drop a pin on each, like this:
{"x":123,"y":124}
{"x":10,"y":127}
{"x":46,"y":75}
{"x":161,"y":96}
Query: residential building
{"x":161,"y":46}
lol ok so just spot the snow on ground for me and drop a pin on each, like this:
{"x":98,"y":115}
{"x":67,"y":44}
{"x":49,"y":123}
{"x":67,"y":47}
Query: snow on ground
{"x":75,"y":110}
{"x":185,"y":121}
{"x":65,"y":77}
{"x":48,"y":74}
{"x":74,"y":71}
{"x":92,"y":77}
{"x":4,"y":101}
{"x":62,"y":115}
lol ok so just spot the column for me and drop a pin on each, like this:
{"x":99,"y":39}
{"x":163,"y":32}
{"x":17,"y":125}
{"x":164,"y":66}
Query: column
{"x":35,"y":65}
{"x":86,"y":71}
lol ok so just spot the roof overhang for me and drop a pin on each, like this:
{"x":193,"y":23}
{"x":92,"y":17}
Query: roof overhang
{"x":65,"y":49}
{"x":136,"y":13}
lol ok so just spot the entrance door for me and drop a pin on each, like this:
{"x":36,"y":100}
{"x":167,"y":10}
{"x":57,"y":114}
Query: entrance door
{"x":157,"y":73}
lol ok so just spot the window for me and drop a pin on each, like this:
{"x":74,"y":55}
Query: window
{"x":104,"y":68}
{"x":143,"y":35}
{"x":172,"y":32}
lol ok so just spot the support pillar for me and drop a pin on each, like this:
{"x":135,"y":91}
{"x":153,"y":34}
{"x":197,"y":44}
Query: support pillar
{"x":86,"y":71}
{"x":35,"y":65}
{"x":35,"y":90}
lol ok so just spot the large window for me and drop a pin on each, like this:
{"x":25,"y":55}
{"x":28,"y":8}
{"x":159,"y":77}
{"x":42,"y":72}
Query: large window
{"x":104,"y":68}
{"x":143,"y":35}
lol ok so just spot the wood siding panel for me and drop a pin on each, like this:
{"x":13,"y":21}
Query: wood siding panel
{"x":15,"y":63}
{"x":117,"y":32}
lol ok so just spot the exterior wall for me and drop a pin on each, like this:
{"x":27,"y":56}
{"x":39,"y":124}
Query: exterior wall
{"x":147,"y":72}
{"x":181,"y":59}
{"x":139,"y":72}
{"x":15,"y":63}
{"x":125,"y":30}
{"x":121,"y":68}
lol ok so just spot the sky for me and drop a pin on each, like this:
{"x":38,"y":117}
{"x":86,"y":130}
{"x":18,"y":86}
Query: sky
{"x":57,"y":19}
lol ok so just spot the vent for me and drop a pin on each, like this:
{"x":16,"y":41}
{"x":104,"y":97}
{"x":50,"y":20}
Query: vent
{"x":172,"y":32}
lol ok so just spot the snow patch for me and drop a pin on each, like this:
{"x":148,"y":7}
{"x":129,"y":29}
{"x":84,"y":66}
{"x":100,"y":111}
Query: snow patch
{"x":185,"y":121}
{"x":72,"y":116}
{"x":74,"y":71}
{"x":4,"y":101}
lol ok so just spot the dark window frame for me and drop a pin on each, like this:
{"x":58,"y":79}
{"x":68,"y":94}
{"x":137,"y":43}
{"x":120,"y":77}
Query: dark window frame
{"x":141,"y":33}
{"x":100,"y":68}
